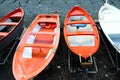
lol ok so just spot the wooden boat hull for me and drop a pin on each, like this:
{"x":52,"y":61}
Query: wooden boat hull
{"x":14,"y":31}
{"x":80,"y":32}
{"x":37,"y":47}
{"x":109,"y":22}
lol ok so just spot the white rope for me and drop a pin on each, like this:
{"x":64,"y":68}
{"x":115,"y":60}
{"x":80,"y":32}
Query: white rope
{"x":106,"y":1}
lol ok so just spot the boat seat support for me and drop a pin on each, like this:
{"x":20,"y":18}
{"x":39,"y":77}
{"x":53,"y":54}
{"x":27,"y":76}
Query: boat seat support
{"x":17,"y":15}
{"x":39,"y":45}
{"x":3,"y":34}
{"x":89,"y":65}
{"x":8,"y":24}
{"x":43,"y":33}
{"x":78,"y":22}
{"x":88,"y":62}
{"x":80,"y":33}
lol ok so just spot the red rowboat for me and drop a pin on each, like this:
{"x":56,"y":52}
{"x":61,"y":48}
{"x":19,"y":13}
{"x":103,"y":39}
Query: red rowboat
{"x":10,"y":26}
{"x":37,"y":47}
{"x":80,"y":32}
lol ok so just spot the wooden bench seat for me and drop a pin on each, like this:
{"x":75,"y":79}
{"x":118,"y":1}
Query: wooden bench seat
{"x":8,"y":24}
{"x":17,"y":15}
{"x":39,"y":45}
{"x":80,"y":33}
{"x":3,"y":34}
{"x":43,"y":33}
{"x":78,"y":22}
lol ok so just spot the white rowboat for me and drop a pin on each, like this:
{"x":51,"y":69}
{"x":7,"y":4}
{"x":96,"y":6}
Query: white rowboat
{"x":109,"y":19}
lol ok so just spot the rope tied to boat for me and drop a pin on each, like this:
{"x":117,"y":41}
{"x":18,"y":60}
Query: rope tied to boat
{"x":106,"y":2}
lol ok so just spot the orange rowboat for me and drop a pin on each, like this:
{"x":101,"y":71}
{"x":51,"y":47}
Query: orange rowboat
{"x":37,"y":47}
{"x":10,"y":27}
{"x":80,"y":32}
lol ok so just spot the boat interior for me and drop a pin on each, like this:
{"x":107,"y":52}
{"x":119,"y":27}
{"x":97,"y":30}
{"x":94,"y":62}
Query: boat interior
{"x":80,"y":39}
{"x":43,"y":33}
{"x":7,"y":26}
{"x":116,"y":39}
